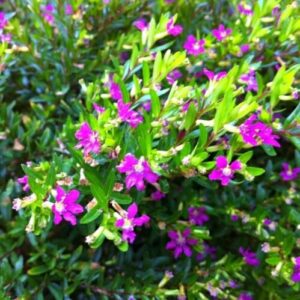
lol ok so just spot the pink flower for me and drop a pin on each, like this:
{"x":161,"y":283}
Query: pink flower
{"x":245,"y":10}
{"x":99,"y":109}
{"x":3,"y":20}
{"x":68,"y":9}
{"x":245,"y":296}
{"x":173,"y":76}
{"x":65,"y":206}
{"x":88,"y":139}
{"x":128,"y":221}
{"x":250,"y":79}
{"x":48,"y":13}
{"x":5,"y":37}
{"x":24,"y":181}
{"x":249,"y":257}
{"x":157,"y":195}
{"x":181,"y":243}
{"x":255,"y":132}
{"x":288,"y":173}
{"x":126,"y":114}
{"x":193,"y":46}
{"x":221,"y":32}
{"x":141,"y":24}
{"x":197,"y":215}
{"x":172,"y":29}
{"x":296,"y":272}
{"x":244,"y":48}
{"x":224,"y":171}
{"x":115,"y":91}
{"x":214,"y":76}
{"x":137,"y":172}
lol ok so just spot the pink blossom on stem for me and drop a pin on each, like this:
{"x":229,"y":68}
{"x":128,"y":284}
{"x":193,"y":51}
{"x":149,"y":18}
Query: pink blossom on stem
{"x":224,"y":171}
{"x":221,"y":32}
{"x":181,"y":243}
{"x":173,"y":76}
{"x":99,"y":109}
{"x":48,"y":13}
{"x":68,"y":9}
{"x":244,"y":48}
{"x":249,"y":257}
{"x":129,"y":220}
{"x":214,"y":76}
{"x":115,"y":91}
{"x":65,"y":206}
{"x":197,"y":215}
{"x":255,"y":132}
{"x":5,"y":37}
{"x":157,"y":195}
{"x":3,"y":20}
{"x":172,"y":29}
{"x":141,"y":24}
{"x":250,"y":79}
{"x":24,"y":181}
{"x":193,"y":46}
{"x":88,"y":139}
{"x":137,"y":172}
{"x":288,"y":173}
{"x":245,"y":10}
{"x":128,"y":115}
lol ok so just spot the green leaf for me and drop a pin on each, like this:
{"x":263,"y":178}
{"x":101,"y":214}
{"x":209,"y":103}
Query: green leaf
{"x":91,"y":215}
{"x":146,"y":73}
{"x":255,"y":171}
{"x":121,"y":198}
{"x":273,"y":260}
{"x":155,"y":104}
{"x":245,"y":157}
{"x":190,"y":117}
{"x":38,"y":270}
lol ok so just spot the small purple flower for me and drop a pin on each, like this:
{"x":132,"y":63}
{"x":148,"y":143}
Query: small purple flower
{"x":193,"y":46}
{"x":197,"y":215}
{"x":245,"y":10}
{"x":249,"y":257}
{"x":296,"y":272}
{"x":296,"y":95}
{"x":173,"y":76}
{"x":99,"y":109}
{"x":137,"y":172}
{"x":68,"y":9}
{"x":115,"y":91}
{"x":3,"y":20}
{"x":245,"y":296}
{"x":214,"y":76}
{"x":147,"y":105}
{"x":141,"y":24}
{"x":128,"y":115}
{"x":270,"y":224}
{"x":24,"y":181}
{"x":88,"y":139}
{"x":128,"y":221}
{"x":234,"y":218}
{"x":172,"y":29}
{"x":181,"y":242}
{"x":221,"y":32}
{"x":48,"y":13}
{"x":224,"y":171}
{"x":5,"y":37}
{"x":255,"y":132}
{"x":250,"y":79}
{"x":157,"y":195}
{"x":233,"y":284}
{"x":288,"y":173}
{"x":244,"y":48}
{"x":65,"y":206}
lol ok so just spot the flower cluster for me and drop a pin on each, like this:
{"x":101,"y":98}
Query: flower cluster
{"x":197,"y":215}
{"x":24,"y":181}
{"x":221,"y":33}
{"x":48,"y":13}
{"x":193,"y":46}
{"x":128,"y":115}
{"x":172,"y":29}
{"x":127,"y":220}
{"x":249,"y":257}
{"x":137,"y":172}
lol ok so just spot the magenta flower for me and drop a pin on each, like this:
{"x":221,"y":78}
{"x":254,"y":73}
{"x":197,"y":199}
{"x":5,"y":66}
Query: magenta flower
{"x":255,"y":132}
{"x":221,"y":32}
{"x":244,"y":48}
{"x":288,"y":173}
{"x":99,"y":109}
{"x":128,"y":115}
{"x":24,"y":181}
{"x":88,"y":139}
{"x":137,"y":172}
{"x":147,"y":105}
{"x":128,"y":221}
{"x":214,"y":76}
{"x":157,"y":195}
{"x":173,"y":76}
{"x":245,"y":296}
{"x":5,"y":37}
{"x":249,"y":257}
{"x":224,"y":171}
{"x":296,"y":272}
{"x":48,"y":13}
{"x":141,"y":24}
{"x":3,"y":20}
{"x":193,"y":46}
{"x":250,"y":79}
{"x":172,"y":29}
{"x":181,"y":242}
{"x":65,"y":206}
{"x":68,"y":9}
{"x":245,"y":10}
{"x":115,"y":91}
{"x":197,"y":215}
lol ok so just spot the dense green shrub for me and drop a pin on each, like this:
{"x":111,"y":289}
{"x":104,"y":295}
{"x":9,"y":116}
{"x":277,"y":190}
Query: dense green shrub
{"x":149,"y":149}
